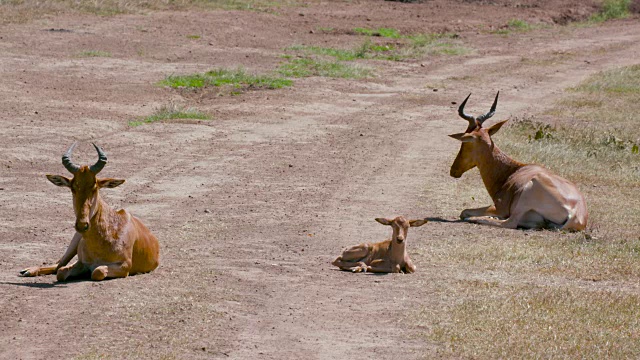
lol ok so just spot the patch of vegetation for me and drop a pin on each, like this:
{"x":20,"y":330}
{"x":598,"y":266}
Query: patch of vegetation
{"x":193,"y":37}
{"x":304,"y":67}
{"x":94,"y":53}
{"x":367,"y":50}
{"x":169,"y":112}
{"x":612,"y":9}
{"x":412,"y":46}
{"x":515,"y":25}
{"x":237,"y":78}
{"x":621,"y":81}
{"x":541,"y":322}
{"x":383,"y":32}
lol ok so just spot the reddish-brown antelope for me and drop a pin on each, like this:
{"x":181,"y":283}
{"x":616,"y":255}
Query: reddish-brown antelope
{"x":388,"y":256}
{"x":524,"y":195}
{"x":109,"y":243}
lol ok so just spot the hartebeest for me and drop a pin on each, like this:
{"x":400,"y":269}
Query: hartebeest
{"x":524,"y":195}
{"x":388,"y":256}
{"x":109,"y":243}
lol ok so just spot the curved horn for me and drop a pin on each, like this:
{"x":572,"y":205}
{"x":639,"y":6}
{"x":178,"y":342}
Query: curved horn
{"x":102,"y":160}
{"x":486,"y":116}
{"x":68,"y":164}
{"x":469,"y":118}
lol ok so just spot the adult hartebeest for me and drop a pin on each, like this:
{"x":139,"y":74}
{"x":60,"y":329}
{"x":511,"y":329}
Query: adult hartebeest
{"x":524,"y":195}
{"x":388,"y":256}
{"x":109,"y":243}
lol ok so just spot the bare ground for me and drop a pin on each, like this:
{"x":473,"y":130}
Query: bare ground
{"x":287,"y":177}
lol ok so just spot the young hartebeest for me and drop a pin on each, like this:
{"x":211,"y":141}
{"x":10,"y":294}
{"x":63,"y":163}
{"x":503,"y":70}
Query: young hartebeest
{"x":109,"y":243}
{"x":388,"y":256}
{"x":524,"y":195}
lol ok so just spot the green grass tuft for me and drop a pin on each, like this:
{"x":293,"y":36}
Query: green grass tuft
{"x":169,"y":112}
{"x":222,"y":77}
{"x":383,"y":32}
{"x":515,"y":25}
{"x":305,"y":67}
{"x":612,"y":9}
{"x":519,"y":25}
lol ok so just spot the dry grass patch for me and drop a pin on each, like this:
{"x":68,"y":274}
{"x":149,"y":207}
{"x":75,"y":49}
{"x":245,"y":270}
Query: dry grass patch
{"x":530,"y":322}
{"x":16,"y":11}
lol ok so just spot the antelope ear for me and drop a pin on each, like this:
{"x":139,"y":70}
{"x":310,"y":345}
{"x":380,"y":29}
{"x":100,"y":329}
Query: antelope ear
{"x":59,"y":180}
{"x":495,"y":127}
{"x":109,"y":183}
{"x":416,"y":223}
{"x":464,"y":137}
{"x":384,"y":221}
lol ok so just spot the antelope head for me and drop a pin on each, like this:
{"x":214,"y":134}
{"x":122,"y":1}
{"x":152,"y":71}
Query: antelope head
{"x":400,"y":227}
{"x":465,"y":160}
{"x":84,"y":186}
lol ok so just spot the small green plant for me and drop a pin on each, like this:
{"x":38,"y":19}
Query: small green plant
{"x":237,"y":78}
{"x":383,"y":32}
{"x":171,"y":111}
{"x":193,"y":37}
{"x":304,"y":67}
{"x":612,"y":9}
{"x":514,"y":25}
{"x":94,"y":53}
{"x":520,"y":25}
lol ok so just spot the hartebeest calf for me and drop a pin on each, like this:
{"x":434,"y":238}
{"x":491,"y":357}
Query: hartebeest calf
{"x":524,"y":195}
{"x":109,"y":243}
{"x":388,"y":256}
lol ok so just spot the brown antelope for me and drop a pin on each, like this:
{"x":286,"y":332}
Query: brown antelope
{"x":109,"y":243}
{"x":524,"y":195}
{"x":388,"y":256}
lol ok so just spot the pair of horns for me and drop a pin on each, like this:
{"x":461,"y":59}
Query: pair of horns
{"x":95,"y":168}
{"x":473,"y":122}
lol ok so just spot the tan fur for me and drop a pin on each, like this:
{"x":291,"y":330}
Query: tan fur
{"x":388,"y":256}
{"x":524,"y":195}
{"x":109,"y":243}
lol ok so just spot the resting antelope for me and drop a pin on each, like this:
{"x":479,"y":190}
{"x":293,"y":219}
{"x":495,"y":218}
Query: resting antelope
{"x":524,"y":195}
{"x":388,"y":256}
{"x":109,"y":244}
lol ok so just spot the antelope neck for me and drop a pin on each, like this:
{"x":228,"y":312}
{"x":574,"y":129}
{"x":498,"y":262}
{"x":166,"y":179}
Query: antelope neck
{"x":495,"y":169}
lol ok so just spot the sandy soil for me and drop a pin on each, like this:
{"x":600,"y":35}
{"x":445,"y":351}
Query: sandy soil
{"x":251,"y":207}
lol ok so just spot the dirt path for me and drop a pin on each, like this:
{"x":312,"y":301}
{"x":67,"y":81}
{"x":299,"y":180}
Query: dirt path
{"x":252,"y":206}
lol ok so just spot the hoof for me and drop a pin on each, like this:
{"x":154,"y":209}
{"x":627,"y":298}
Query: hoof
{"x":28,"y":272}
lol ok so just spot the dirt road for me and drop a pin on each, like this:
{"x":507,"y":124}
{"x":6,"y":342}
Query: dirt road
{"x":251,"y":207}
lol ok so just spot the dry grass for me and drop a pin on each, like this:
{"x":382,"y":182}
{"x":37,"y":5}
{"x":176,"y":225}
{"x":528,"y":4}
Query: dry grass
{"x":531,"y":322}
{"x":17,"y":11}
{"x":542,"y":294}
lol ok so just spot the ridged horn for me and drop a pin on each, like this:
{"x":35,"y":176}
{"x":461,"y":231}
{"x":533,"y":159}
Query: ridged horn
{"x":102,"y":160}
{"x":469,"y":118}
{"x":66,"y":161}
{"x":486,"y":116}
